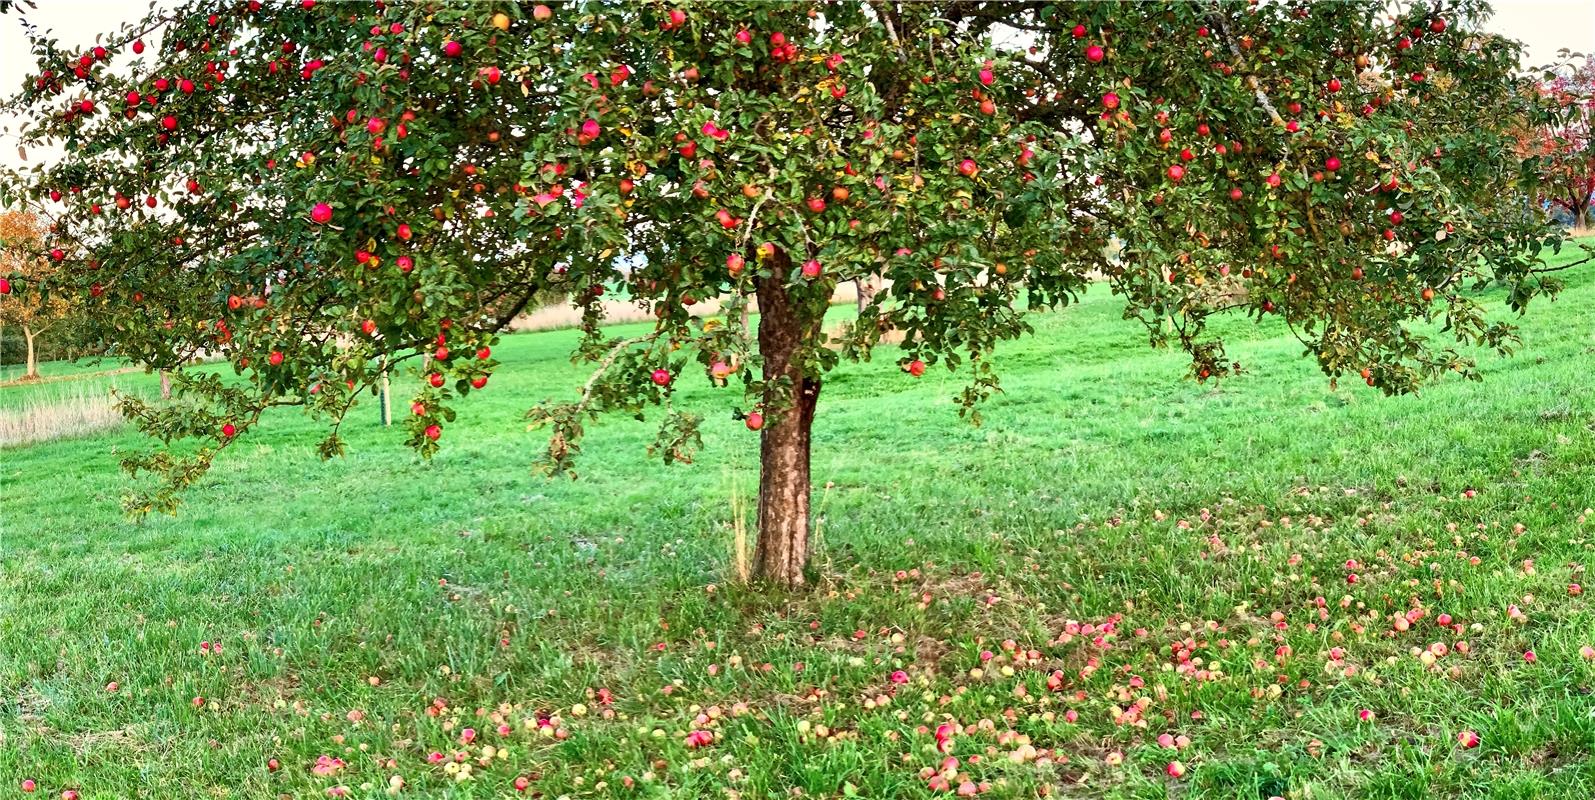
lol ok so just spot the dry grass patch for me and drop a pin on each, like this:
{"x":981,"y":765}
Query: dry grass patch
{"x":78,"y":412}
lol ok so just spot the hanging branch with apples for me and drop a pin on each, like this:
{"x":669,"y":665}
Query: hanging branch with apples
{"x":310,"y":191}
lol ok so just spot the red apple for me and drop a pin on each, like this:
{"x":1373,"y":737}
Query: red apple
{"x":1094,"y":54}
{"x":452,"y":49}
{"x":1176,"y":172}
{"x":916,"y":368}
{"x":811,"y":269}
{"x":321,"y":214}
{"x":661,"y":377}
{"x":228,"y":430}
{"x":754,"y":420}
{"x":433,"y":432}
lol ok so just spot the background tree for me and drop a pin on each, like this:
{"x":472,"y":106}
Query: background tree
{"x":21,"y":235}
{"x":314,"y":189}
{"x":1564,"y":144}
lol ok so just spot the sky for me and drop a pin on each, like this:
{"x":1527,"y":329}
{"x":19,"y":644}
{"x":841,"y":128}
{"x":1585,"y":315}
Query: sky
{"x":1544,"y":26}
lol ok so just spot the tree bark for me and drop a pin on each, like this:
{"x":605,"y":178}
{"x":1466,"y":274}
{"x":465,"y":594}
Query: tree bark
{"x":387,"y":399}
{"x":166,"y":385}
{"x":33,"y":361}
{"x":784,"y":328}
{"x":866,"y":292}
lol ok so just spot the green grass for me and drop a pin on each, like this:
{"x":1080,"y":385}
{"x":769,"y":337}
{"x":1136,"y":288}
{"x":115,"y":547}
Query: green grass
{"x":1102,"y":488}
{"x":57,"y":370}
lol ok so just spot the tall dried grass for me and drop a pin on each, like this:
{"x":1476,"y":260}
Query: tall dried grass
{"x":46,"y":416}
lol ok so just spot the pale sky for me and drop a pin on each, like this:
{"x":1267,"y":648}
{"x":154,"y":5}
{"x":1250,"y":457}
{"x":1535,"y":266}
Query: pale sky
{"x":1543,"y":25}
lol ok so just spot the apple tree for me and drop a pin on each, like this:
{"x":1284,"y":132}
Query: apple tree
{"x":20,"y":236}
{"x":1565,"y":144}
{"x":323,"y":194}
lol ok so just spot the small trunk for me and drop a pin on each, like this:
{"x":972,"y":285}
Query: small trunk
{"x":33,"y":362}
{"x":866,"y":292}
{"x":166,"y":385}
{"x":1581,"y":220}
{"x":387,"y":399}
{"x":783,"y":546}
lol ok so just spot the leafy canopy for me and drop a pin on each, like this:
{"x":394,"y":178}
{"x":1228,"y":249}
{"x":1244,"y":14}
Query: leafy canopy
{"x":318,"y":192}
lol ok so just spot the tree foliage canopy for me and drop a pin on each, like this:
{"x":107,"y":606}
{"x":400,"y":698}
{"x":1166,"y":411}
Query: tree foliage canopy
{"x":1565,"y":143}
{"x":320,"y":191}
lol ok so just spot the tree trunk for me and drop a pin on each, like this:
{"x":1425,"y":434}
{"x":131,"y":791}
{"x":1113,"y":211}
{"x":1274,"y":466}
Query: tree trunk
{"x":166,"y":385}
{"x":866,"y":292}
{"x":1581,"y":219}
{"x":387,"y":399}
{"x":784,"y":328}
{"x":33,"y":361}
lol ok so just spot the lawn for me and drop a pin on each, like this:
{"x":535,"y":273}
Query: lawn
{"x":1115,"y":555}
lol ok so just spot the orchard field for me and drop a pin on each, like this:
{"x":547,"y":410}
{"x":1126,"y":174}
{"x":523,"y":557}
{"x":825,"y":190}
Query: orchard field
{"x":1123,"y":584}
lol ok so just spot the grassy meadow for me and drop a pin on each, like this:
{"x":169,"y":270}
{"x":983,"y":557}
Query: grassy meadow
{"x":1122,"y":585}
